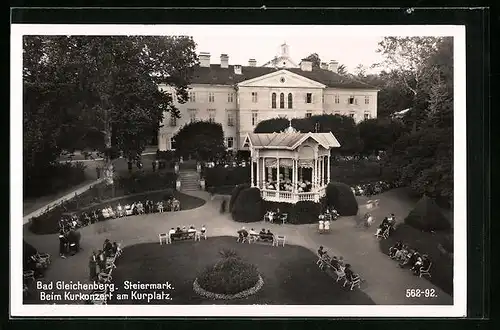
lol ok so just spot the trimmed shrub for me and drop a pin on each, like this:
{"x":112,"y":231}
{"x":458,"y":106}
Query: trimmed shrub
{"x":427,"y":216}
{"x":248,"y":207}
{"x":306,"y":212}
{"x":53,"y":179}
{"x":226,"y":176}
{"x":235,"y":193}
{"x":229,"y":275}
{"x":341,"y":198}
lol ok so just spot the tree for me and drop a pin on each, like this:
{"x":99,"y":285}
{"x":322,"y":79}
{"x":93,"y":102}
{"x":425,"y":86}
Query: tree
{"x":342,"y":70}
{"x":201,"y":139}
{"x":314,"y":58}
{"x":101,"y":92}
{"x":379,"y":134}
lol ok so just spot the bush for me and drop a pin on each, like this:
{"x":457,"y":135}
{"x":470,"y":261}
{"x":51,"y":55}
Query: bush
{"x":235,"y":193}
{"x":248,"y":207}
{"x":425,"y":243}
{"x":341,"y":198}
{"x":54,"y":178}
{"x":427,"y":216}
{"x":302,"y":212}
{"x":226,"y":176}
{"x":230,"y":275}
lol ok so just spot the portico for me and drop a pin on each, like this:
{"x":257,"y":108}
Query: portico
{"x":290,"y":166}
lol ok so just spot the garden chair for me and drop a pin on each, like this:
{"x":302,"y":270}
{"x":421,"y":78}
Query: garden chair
{"x":340,"y":273}
{"x":425,"y":271}
{"x":163,"y":237}
{"x":29,"y":275}
{"x":100,"y":297}
{"x":106,"y":277}
{"x":176,"y":205}
{"x":253,"y":239}
{"x":384,"y":234}
{"x":355,"y":281}
{"x":284,"y":218}
{"x":325,"y":261}
{"x":43,"y":258}
{"x":110,"y":262}
{"x":278,"y":239}
{"x":197,"y":236}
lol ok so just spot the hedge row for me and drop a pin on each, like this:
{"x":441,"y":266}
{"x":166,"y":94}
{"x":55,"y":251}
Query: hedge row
{"x":226,"y":176}
{"x":341,"y":198}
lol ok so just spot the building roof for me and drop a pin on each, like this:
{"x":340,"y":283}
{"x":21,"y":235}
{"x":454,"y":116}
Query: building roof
{"x":289,"y":141}
{"x":215,"y":75}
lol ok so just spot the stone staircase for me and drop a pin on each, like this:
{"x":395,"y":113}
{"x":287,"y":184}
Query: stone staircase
{"x":189,"y":180}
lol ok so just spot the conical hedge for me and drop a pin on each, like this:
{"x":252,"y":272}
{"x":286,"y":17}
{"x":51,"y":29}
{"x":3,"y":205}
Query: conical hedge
{"x":427,"y":216}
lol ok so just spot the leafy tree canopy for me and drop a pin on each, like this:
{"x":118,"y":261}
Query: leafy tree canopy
{"x":202,"y":140}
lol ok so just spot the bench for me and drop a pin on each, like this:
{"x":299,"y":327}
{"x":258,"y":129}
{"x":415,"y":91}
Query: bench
{"x":182,"y":236}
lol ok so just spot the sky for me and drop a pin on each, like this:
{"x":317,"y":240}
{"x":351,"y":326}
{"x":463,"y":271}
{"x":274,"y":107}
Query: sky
{"x":263,"y":43}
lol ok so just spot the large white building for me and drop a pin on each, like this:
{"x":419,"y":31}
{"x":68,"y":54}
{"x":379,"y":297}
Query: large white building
{"x":239,"y":97}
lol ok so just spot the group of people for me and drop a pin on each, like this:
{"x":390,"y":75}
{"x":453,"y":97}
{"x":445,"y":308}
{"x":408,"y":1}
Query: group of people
{"x":409,"y":258}
{"x":73,"y":221}
{"x":338,"y":264}
{"x":69,"y":242}
{"x":325,"y":218}
{"x":185,"y":230}
{"x":388,"y":224}
{"x":98,"y":259}
{"x":287,"y":185}
{"x":373,"y":188}
{"x":263,"y":235}
{"x":277,"y":216}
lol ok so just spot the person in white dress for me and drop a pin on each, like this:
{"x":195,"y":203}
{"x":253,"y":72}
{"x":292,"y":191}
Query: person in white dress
{"x":327,"y":225}
{"x":321,"y":226}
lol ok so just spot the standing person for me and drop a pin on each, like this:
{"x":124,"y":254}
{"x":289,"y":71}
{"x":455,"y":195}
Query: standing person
{"x":129,"y":165}
{"x":62,"y":244}
{"x":98,"y":171}
{"x":154,"y":165}
{"x":93,"y":266}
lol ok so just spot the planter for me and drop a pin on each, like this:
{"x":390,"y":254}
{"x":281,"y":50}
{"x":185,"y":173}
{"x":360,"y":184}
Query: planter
{"x":202,"y":184}
{"x":219,"y":296}
{"x":178,"y":185}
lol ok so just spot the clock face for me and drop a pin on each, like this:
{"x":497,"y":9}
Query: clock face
{"x":282,"y":79}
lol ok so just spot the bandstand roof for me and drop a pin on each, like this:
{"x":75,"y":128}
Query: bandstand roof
{"x":289,"y":141}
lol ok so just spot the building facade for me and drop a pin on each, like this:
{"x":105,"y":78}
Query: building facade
{"x":239,"y":97}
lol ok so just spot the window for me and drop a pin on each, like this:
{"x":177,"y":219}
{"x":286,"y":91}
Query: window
{"x":309,"y":97}
{"x":367,"y":100}
{"x":290,"y":101}
{"x":351,"y":100}
{"x":367,"y":116}
{"x":211,"y":97}
{"x":211,"y":115}
{"x":282,"y":101}
{"x":230,"y":97}
{"x":230,"y":142}
{"x":192,"y":115}
{"x":308,"y":114}
{"x":173,"y":120}
{"x":323,"y":98}
{"x":273,"y":101}
{"x":230,"y":118}
{"x":337,"y":99}
{"x":172,"y":144}
{"x":254,"y":118}
{"x":351,"y":115}
{"x":337,"y":113}
{"x":254,"y":97}
{"x":192,"y":97}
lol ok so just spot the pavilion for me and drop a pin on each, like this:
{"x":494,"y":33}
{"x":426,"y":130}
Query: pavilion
{"x":290,"y":166}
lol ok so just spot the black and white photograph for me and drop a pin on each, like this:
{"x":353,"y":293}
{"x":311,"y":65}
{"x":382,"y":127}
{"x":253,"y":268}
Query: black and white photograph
{"x":237,"y":170}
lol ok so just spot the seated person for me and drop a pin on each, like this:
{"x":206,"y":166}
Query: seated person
{"x":184,"y":229}
{"x":170,"y":232}
{"x":394,"y":249}
{"x":178,"y":230}
{"x":335,"y":262}
{"x":382,"y":228}
{"x":242,"y":233}
{"x":203,"y":229}
{"x":416,"y":266}
{"x":253,"y":232}
{"x":159,"y":205}
{"x":107,"y":247}
{"x":384,"y":223}
{"x":349,"y":274}
{"x":269,"y":235}
{"x":140,"y":208}
{"x":321,"y":251}
{"x":119,"y":210}
{"x":192,"y":229}
{"x":262,"y":233}
{"x":114,"y":248}
{"x":400,"y":254}
{"x":425,"y":263}
{"x":409,"y":259}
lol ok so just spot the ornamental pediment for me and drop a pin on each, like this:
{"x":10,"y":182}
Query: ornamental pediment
{"x":281,"y":79}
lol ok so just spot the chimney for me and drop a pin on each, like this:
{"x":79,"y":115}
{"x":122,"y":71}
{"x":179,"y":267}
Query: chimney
{"x":224,"y":61}
{"x":237,"y":69}
{"x":204,"y":59}
{"x":333,"y":66}
{"x":324,"y":65}
{"x":252,"y":62}
{"x":306,"y":65}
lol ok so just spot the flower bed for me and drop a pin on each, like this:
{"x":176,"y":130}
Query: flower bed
{"x":229,"y":278}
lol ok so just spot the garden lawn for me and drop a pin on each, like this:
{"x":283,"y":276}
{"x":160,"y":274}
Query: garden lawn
{"x":49,"y":223}
{"x":290,"y":273}
{"x":426,"y":243}
{"x":355,"y":172}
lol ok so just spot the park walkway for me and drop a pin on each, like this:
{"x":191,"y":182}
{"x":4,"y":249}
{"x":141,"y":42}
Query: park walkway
{"x":383,"y":281}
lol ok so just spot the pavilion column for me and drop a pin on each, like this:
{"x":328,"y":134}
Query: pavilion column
{"x":251,"y":174}
{"x":328,"y":170}
{"x":278,"y":174}
{"x":295,"y":174}
{"x":263,"y":172}
{"x":257,"y":170}
{"x":320,"y":169}
{"x":316,"y":162}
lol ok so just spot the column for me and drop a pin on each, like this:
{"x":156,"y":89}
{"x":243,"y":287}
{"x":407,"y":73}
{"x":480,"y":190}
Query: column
{"x":296,"y":174}
{"x":251,"y":174}
{"x":277,"y":174}
{"x":257,"y":170}
{"x":315,"y":185}
{"x":328,"y":170}
{"x":320,"y":170}
{"x":263,"y":173}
